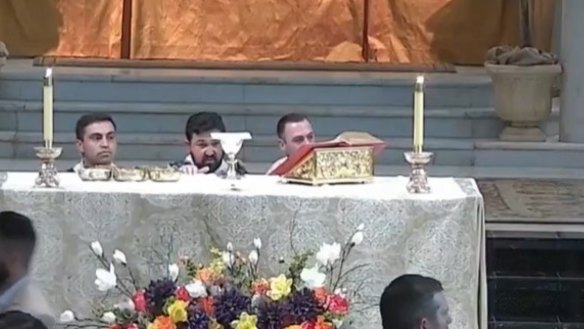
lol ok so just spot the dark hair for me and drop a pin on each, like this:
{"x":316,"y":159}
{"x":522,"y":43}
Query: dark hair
{"x":91,"y":118}
{"x":289,"y":118}
{"x":17,"y":233}
{"x":203,"y":122}
{"x":408,"y":299}
{"x":20,"y":320}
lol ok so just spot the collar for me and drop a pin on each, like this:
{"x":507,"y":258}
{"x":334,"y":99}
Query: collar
{"x":80,"y":166}
{"x":7,"y":298}
{"x":222,"y":167}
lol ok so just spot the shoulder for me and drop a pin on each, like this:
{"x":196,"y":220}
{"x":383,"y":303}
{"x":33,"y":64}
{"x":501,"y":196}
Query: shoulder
{"x":31,"y":300}
{"x":276,"y":165}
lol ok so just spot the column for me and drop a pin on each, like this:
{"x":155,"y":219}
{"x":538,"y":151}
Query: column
{"x":572,"y":59}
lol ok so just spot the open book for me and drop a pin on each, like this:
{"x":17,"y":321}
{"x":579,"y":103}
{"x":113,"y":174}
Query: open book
{"x":349,"y":138}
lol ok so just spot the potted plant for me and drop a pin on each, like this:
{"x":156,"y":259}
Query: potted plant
{"x":3,"y":54}
{"x":523,"y":81}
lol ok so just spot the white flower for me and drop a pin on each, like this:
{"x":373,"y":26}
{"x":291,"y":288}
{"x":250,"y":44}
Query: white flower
{"x":253,"y":257}
{"x":341,"y":292}
{"x":97,"y":248}
{"x":67,"y":316}
{"x":228,"y":258}
{"x":127,"y":305}
{"x":196,"y":289}
{"x":230,"y":246}
{"x":338,"y":323}
{"x":105,"y":280}
{"x":108,"y":317}
{"x":328,"y":253}
{"x":120,"y":257}
{"x":361,"y":227}
{"x":357,"y":238}
{"x":312,"y":277}
{"x":257,"y":243}
{"x":173,"y":271}
{"x":256,"y":300}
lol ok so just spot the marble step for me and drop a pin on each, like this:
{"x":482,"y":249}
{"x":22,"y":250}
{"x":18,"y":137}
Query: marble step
{"x":245,"y":87}
{"x":263,"y":148}
{"x":382,"y":121}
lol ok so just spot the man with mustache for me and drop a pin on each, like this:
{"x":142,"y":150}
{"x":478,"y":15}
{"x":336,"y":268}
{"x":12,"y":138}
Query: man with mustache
{"x":205,"y":154}
{"x":17,"y":245}
{"x":96,"y":141}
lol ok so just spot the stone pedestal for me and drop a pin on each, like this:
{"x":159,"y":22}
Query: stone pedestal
{"x":572,"y":59}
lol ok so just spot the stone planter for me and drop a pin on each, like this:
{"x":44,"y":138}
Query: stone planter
{"x":523,"y":98}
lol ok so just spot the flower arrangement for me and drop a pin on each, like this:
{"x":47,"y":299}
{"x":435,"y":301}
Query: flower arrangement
{"x":229,"y":292}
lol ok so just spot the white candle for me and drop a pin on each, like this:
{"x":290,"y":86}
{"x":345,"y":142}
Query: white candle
{"x":419,"y":114}
{"x":48,"y":108}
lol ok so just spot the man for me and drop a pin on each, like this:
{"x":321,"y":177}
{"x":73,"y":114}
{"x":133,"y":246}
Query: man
{"x":205,"y":154}
{"x":96,"y":140}
{"x":294,"y":130}
{"x":414,"y":302}
{"x":17,"y":244}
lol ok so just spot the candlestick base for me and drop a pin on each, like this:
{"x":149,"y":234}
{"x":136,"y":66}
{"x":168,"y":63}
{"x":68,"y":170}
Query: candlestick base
{"x":48,"y":172}
{"x":418,"y":182}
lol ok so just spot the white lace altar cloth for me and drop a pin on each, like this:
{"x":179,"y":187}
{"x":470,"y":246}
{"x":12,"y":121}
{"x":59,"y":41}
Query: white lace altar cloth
{"x":439,"y":234}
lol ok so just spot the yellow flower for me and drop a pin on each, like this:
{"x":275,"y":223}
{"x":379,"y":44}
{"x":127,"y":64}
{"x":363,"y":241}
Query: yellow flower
{"x":215,"y":325}
{"x":178,"y":311}
{"x":245,"y":321}
{"x":280,"y":287}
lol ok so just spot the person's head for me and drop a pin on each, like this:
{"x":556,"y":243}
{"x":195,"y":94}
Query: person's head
{"x":294,"y":130}
{"x":204,"y":151}
{"x":414,"y":302}
{"x":97,"y":140}
{"x":17,"y":243}
{"x":20,"y":320}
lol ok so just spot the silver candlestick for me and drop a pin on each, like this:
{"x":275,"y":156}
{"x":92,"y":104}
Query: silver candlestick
{"x":48,"y":172}
{"x":418,"y":182}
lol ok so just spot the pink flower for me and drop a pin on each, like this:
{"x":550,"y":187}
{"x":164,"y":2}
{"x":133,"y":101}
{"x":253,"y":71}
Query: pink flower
{"x":139,"y":301}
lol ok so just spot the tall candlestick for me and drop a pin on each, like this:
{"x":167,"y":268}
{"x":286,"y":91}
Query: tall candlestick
{"x":48,"y":108}
{"x":419,"y":114}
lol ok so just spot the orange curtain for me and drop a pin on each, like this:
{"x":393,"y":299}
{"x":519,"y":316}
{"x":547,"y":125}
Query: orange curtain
{"x":401,"y":31}
{"x":79,"y":28}
{"x":252,"y":30}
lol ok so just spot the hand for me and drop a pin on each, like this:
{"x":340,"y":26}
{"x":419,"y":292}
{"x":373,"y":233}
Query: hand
{"x":193,"y":170}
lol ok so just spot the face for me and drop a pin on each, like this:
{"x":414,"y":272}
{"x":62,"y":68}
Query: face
{"x":442,"y":319}
{"x":205,"y":151}
{"x":8,"y":264}
{"x":99,"y":144}
{"x":295,"y":135}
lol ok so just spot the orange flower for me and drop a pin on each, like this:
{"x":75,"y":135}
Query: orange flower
{"x":205,"y":275}
{"x":294,"y":326}
{"x":162,"y":322}
{"x":207,"y":305}
{"x":260,"y":287}
{"x":322,"y":324}
{"x":321,"y":295}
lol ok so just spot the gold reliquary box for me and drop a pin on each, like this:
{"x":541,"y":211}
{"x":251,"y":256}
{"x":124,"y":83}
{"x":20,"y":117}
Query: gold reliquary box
{"x":349,"y":158}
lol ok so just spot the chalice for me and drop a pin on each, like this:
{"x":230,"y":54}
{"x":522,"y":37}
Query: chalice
{"x":231,"y":144}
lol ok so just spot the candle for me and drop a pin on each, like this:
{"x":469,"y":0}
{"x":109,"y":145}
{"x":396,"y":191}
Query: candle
{"x":48,"y":108}
{"x":419,"y":114}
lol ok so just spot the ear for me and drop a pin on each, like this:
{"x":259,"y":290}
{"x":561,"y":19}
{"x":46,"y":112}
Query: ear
{"x":424,"y":324}
{"x":281,"y":144}
{"x":79,"y":145}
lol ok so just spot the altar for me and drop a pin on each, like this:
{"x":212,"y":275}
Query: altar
{"x":439,"y":234}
